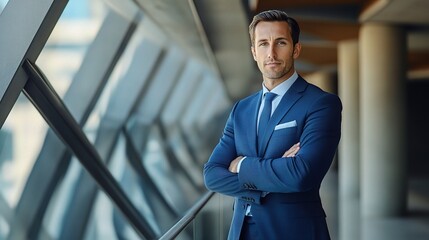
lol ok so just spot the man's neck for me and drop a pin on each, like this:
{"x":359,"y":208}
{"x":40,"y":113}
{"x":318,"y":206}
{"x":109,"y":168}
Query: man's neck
{"x":270,"y":84}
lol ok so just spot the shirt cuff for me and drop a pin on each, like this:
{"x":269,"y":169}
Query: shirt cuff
{"x":239,"y":164}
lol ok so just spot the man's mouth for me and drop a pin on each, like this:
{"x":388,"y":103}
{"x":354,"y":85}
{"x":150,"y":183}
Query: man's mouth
{"x":272,"y":63}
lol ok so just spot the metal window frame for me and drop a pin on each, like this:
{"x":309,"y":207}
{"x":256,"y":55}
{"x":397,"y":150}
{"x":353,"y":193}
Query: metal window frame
{"x":52,"y":108}
{"x":54,"y":158}
{"x":27,"y":32}
{"x":130,"y":89}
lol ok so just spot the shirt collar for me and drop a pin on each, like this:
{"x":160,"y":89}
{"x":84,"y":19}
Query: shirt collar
{"x":283,"y":87}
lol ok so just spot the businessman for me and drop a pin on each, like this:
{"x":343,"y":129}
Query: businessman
{"x":277,"y":144}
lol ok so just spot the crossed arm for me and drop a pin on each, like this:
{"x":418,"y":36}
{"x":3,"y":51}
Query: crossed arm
{"x":301,"y":168}
{"x":233,"y":167}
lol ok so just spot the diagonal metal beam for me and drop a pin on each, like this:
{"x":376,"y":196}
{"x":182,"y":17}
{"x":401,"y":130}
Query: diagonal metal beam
{"x":24,"y":33}
{"x":61,"y":121}
{"x":52,"y":163}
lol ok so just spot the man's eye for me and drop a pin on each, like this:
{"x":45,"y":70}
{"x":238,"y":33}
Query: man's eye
{"x":263,"y":44}
{"x":281,"y":43}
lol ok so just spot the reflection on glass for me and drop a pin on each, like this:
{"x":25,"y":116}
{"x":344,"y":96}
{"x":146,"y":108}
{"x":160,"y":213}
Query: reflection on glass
{"x":113,"y":104}
{"x":130,"y":182}
{"x":64,"y":51}
{"x":2,"y":6}
{"x":176,"y":188}
{"x":57,"y":208}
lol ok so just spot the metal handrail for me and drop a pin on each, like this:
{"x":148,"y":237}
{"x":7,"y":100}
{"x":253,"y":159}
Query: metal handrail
{"x":189,"y":216}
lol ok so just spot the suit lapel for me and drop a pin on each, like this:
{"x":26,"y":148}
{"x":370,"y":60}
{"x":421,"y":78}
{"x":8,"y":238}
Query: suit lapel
{"x":288,"y":100}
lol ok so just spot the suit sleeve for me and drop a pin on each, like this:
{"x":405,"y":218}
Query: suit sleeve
{"x":217,"y":177}
{"x":305,"y":171}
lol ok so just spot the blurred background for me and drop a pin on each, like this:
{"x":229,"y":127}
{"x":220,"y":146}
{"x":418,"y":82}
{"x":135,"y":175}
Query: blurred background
{"x":110,"y":108}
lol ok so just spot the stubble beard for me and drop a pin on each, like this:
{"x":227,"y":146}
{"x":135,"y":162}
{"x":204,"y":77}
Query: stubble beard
{"x":273,"y":74}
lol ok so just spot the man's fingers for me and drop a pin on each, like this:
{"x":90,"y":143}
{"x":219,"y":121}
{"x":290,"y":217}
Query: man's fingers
{"x":234,"y":164}
{"x":291,"y":152}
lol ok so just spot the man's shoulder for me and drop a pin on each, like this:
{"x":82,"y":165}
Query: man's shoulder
{"x":248,"y":103}
{"x":314,"y":93}
{"x":251,"y":98}
{"x":316,"y":90}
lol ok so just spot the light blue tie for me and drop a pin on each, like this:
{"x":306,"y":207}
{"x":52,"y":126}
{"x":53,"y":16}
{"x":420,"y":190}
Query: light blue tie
{"x":265,"y":117}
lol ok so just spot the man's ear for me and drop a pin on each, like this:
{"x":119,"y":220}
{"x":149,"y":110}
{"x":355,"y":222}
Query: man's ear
{"x":252,"y":48}
{"x":296,"y":50}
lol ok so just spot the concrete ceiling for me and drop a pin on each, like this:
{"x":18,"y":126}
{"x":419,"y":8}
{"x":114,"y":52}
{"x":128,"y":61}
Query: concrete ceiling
{"x":217,"y":32}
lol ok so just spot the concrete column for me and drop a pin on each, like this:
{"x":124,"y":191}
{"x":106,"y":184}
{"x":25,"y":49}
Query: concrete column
{"x":327,"y":81}
{"x":323,"y":79}
{"x":328,"y":191}
{"x":348,"y":170}
{"x":382,"y":102}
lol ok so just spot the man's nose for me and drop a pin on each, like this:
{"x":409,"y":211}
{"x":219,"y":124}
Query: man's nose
{"x":271,"y":52}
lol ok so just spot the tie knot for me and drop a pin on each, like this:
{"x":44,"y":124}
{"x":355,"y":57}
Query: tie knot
{"x":269,"y":96}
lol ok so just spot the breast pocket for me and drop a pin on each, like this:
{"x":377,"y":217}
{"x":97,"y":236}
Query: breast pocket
{"x":286,"y":125}
{"x":281,"y":140}
{"x":289,"y":132}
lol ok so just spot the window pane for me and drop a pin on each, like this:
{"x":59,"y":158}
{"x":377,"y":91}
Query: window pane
{"x":58,"y":205}
{"x":176,"y":188}
{"x":3,"y":5}
{"x":22,"y":135}
{"x":106,"y":215}
{"x":21,"y":139}
{"x":63,"y":53}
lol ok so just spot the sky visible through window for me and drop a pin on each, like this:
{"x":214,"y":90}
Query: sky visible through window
{"x":3,"y":4}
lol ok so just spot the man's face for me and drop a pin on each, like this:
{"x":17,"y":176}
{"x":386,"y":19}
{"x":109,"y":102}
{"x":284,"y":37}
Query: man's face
{"x":273,"y":50}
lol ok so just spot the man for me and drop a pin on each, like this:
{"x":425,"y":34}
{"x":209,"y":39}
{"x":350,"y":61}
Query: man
{"x":274,"y":161}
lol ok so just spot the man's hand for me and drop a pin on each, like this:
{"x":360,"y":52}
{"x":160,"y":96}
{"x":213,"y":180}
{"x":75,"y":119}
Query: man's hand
{"x":233,"y":165}
{"x":289,"y":153}
{"x":292,"y":151}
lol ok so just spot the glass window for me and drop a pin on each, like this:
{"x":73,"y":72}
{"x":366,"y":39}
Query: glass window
{"x":3,"y":4}
{"x":182,"y":93}
{"x":57,"y":208}
{"x":63,"y":53}
{"x":106,"y":220}
{"x":175,"y":188}
{"x":23,"y":131}
{"x":21,"y":140}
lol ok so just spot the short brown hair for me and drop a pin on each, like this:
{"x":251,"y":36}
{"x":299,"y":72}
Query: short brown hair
{"x":273,"y":16}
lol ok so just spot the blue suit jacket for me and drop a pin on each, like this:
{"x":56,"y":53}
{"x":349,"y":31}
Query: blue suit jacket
{"x":292,"y":209}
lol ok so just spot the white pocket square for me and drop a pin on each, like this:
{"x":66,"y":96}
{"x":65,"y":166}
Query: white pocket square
{"x":286,"y":125}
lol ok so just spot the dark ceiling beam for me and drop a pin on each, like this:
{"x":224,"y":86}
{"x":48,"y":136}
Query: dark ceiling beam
{"x":278,"y":4}
{"x":418,"y":60}
{"x":319,"y":55}
{"x":331,"y":31}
